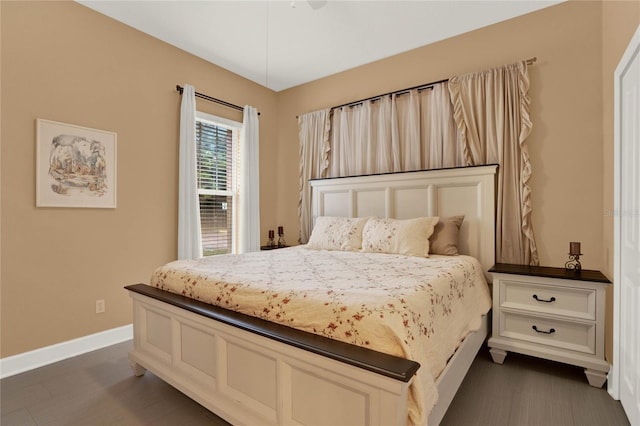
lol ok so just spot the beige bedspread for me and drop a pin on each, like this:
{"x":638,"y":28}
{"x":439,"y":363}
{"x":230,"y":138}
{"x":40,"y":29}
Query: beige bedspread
{"x":416,"y":308}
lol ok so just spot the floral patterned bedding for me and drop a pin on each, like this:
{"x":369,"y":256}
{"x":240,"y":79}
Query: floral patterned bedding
{"x":413,"y":307}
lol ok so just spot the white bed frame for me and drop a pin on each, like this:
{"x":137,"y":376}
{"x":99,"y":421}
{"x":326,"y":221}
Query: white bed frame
{"x":254,"y":374}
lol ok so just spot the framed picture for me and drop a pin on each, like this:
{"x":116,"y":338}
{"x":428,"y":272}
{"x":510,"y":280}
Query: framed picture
{"x":75,"y":166}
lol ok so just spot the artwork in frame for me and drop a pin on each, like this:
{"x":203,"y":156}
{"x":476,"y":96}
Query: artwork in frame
{"x":75,"y":166}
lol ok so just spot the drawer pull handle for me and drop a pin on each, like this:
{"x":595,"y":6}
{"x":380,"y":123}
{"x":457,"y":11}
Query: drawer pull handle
{"x":553,"y":299}
{"x":551,"y":330}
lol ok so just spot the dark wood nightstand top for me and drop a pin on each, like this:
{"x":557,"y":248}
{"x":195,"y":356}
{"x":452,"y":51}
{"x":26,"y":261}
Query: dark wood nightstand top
{"x":272,"y":247}
{"x":545,"y":271}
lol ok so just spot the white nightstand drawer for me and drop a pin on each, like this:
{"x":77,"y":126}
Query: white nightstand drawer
{"x":574,"y":336}
{"x":551,"y":299}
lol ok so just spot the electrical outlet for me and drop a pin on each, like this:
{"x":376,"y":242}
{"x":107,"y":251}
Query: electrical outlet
{"x":100,"y":306}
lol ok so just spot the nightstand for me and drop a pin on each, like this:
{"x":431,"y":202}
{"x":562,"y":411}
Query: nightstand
{"x":272,"y":247}
{"x":551,"y":313}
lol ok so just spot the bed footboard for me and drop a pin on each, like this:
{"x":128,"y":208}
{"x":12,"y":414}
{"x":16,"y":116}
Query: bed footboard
{"x":249,"y":371}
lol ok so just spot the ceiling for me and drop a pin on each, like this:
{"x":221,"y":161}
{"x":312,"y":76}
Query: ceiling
{"x":281,"y":44}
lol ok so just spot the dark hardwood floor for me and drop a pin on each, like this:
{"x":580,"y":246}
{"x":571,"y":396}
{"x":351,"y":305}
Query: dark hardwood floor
{"x":530,"y":391}
{"x":98,"y":388}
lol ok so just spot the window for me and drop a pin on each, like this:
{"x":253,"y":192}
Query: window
{"x":217,"y":158}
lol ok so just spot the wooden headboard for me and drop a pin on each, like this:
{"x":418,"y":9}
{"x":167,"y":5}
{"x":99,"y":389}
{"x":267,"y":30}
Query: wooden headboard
{"x":468,"y":191}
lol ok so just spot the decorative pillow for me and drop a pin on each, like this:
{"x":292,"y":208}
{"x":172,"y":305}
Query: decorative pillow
{"x":408,"y":237}
{"x":337,"y":233}
{"x":444,"y":239}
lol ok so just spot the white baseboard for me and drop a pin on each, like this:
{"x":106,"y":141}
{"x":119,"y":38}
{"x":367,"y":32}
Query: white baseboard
{"x":26,"y":361}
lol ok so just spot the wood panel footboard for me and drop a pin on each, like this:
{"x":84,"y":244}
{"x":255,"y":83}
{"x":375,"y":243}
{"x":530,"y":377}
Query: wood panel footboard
{"x":250,"y":371}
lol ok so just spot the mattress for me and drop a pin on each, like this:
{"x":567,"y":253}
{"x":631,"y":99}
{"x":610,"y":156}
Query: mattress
{"x":413,"y":307}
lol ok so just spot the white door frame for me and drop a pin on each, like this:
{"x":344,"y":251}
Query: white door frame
{"x":614,"y":375}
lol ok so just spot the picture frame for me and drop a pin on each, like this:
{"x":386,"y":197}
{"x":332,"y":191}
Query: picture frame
{"x":75,"y":166}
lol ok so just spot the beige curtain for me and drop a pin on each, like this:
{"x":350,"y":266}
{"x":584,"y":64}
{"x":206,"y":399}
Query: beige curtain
{"x":313,"y":131}
{"x":491,"y":111}
{"x":359,"y":140}
{"x":406,"y":129}
{"x":413,"y":130}
{"x":474,"y":119}
{"x":445,"y":147}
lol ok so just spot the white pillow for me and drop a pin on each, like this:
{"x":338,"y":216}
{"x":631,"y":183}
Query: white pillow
{"x":408,"y":237}
{"x":337,"y":233}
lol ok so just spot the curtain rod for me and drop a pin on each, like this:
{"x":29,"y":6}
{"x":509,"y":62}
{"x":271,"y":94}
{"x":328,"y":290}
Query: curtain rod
{"x":529,"y":61}
{"x":212,"y":99}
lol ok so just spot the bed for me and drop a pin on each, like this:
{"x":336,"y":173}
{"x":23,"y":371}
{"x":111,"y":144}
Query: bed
{"x":251,"y":366}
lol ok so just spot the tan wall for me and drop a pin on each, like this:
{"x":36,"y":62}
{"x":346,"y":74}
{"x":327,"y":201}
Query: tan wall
{"x":566,"y":109}
{"x":620,"y":19}
{"x":577,"y":45}
{"x":64,"y":62}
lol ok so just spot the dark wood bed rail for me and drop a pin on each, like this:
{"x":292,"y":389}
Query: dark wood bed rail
{"x":387,"y":365}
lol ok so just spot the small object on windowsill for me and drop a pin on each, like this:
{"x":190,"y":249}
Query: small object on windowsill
{"x":271,"y":242}
{"x":574,"y":257}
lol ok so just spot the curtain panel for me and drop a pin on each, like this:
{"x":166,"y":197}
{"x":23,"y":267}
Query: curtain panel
{"x":249,"y":220}
{"x":474,"y":119}
{"x":491,"y":111}
{"x":414,"y":130}
{"x":189,"y":234}
{"x":313,"y":132}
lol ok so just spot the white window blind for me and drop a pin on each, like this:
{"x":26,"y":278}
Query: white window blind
{"x":217,"y":156}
